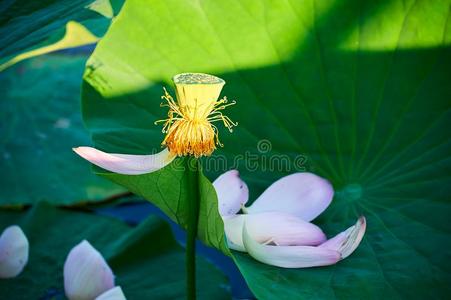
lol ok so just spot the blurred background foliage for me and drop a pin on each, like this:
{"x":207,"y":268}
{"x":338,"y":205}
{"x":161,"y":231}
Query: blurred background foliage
{"x":30,"y":28}
{"x":360,"y":88}
{"x":136,"y":254}
{"x":41,"y":106}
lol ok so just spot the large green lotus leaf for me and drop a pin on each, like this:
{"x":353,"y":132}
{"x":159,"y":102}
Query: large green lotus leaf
{"x":146,"y":260}
{"x":357,"y":92}
{"x":39,"y":109}
{"x":31,"y":28}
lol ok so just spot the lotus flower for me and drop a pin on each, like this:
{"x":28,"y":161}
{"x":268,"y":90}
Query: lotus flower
{"x":188,"y":127}
{"x":276,"y":228}
{"x":13,"y":252}
{"x":86,"y":273}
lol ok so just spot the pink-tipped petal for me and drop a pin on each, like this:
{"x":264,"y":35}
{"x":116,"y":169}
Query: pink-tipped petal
{"x":289,"y":256}
{"x":232,"y":192}
{"x":281,"y":228}
{"x":14,"y":249}
{"x":86,"y":273}
{"x":304,"y":195}
{"x":347,"y":241}
{"x":337,"y":241}
{"x":126,"y":163}
{"x":115,"y":293}
{"x":354,"y":238}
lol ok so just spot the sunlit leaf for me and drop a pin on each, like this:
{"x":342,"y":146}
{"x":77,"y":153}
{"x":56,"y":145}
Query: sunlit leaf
{"x":357,"y":92}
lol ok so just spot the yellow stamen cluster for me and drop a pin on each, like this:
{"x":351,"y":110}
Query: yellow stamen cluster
{"x":188,"y":128}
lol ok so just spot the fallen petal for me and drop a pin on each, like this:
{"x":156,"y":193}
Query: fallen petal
{"x":304,"y":195}
{"x":337,"y":241}
{"x":126,"y":163}
{"x":113,"y":294}
{"x":347,"y":241}
{"x":281,"y":228}
{"x":232,"y":192}
{"x":14,"y":249}
{"x":289,"y":256}
{"x":86,"y":273}
{"x":354,"y":238}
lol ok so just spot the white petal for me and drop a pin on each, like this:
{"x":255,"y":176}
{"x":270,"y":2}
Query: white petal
{"x":232,"y":192}
{"x":232,"y":226}
{"x":86,"y":273}
{"x":281,"y":228}
{"x":347,"y":241}
{"x":304,"y":195}
{"x":113,"y":294}
{"x":289,"y":256}
{"x":14,"y":249}
{"x":126,"y":163}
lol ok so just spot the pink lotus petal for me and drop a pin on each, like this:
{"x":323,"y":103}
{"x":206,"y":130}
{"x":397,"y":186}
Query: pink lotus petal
{"x":126,"y":163}
{"x":281,"y":228}
{"x":304,"y":195}
{"x":86,"y":273}
{"x":232,"y":192}
{"x":289,"y":256}
{"x":14,"y":250}
{"x":337,"y":241}
{"x":347,"y":241}
{"x":115,"y":293}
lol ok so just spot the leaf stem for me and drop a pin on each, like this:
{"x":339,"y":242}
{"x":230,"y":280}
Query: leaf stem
{"x":193,"y":220}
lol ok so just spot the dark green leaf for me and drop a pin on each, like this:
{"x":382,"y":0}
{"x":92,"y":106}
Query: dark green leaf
{"x":29,"y":25}
{"x":41,"y":123}
{"x":169,"y":190}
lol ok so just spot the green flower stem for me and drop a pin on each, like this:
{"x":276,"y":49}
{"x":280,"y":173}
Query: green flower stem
{"x":193,"y":220}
